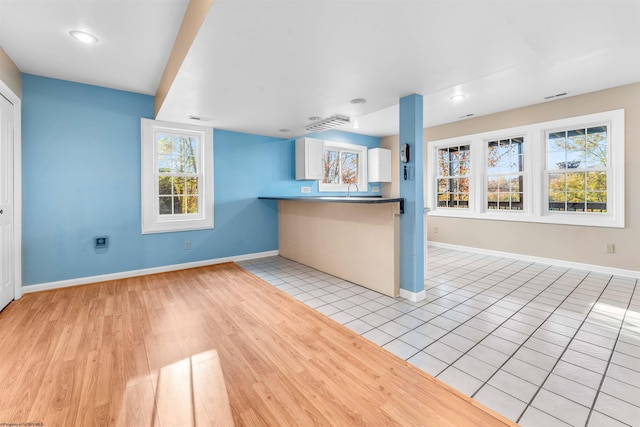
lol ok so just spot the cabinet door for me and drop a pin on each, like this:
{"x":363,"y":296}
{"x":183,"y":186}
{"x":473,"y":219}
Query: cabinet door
{"x":379,"y":165}
{"x":309,"y":153}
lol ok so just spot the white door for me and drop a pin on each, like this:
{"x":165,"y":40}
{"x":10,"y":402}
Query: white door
{"x":6,"y":202}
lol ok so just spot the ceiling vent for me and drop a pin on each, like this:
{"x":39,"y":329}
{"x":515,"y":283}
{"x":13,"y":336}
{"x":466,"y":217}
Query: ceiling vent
{"x":200,"y":119}
{"x":557,"y":95}
{"x":326,"y":124}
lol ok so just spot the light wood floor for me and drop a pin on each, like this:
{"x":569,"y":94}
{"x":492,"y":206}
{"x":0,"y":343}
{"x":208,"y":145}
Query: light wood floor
{"x":142,"y":352}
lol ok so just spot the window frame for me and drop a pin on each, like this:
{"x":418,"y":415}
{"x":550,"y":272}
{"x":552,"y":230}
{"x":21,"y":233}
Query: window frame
{"x":455,"y":177}
{"x":567,"y":170}
{"x":152,"y":221}
{"x":523,"y":173}
{"x":362,"y":151}
{"x":535,"y":188}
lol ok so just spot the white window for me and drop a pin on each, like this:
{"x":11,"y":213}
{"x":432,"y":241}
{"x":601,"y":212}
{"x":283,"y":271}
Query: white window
{"x":452,"y":180}
{"x":177,"y":177}
{"x":568,"y":171}
{"x":343,"y":164}
{"x":577,"y":169}
{"x":505,"y":174}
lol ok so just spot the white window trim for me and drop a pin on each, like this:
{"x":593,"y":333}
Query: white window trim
{"x":152,"y":221}
{"x":363,"y":185}
{"x":535,"y":203}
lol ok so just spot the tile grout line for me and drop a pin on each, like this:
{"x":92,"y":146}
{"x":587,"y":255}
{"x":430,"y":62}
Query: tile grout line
{"x":604,"y":375}
{"x":480,"y":293}
{"x":503,"y":322}
{"x":462,"y":302}
{"x":564,"y":351}
{"x":486,"y":382}
{"x":440,"y":297}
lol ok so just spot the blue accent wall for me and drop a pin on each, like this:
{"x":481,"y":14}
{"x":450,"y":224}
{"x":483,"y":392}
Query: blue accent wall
{"x":81,"y":179}
{"x":412,"y":244}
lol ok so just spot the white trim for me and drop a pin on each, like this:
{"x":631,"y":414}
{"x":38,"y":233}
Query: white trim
{"x":152,"y":221}
{"x":413,"y":296}
{"x":552,"y":261}
{"x":143,"y":272}
{"x":17,"y":187}
{"x":535,"y":209}
{"x":363,"y":183}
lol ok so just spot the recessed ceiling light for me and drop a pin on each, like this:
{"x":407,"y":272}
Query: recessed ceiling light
{"x":458,"y":97}
{"x":355,"y":125}
{"x":283,"y":130}
{"x":358,"y":101}
{"x":83,"y":37}
{"x":314,"y":118}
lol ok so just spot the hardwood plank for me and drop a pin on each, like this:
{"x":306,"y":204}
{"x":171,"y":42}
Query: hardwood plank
{"x":210,"y":392}
{"x":206,"y":346}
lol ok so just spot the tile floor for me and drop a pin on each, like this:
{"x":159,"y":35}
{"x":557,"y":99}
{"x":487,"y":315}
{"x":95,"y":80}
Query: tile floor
{"x":541,"y":344}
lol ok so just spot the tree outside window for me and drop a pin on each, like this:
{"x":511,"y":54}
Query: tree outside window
{"x":177,"y":174}
{"x":505,"y":174}
{"x":340,"y":167}
{"x":576,"y":169}
{"x":454,"y":165}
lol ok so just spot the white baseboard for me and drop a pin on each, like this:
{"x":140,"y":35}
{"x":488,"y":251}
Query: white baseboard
{"x":143,"y":272}
{"x":559,"y":262}
{"x":413,"y":296}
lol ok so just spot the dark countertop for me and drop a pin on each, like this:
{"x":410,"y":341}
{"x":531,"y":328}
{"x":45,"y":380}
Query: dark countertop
{"x":341,"y":199}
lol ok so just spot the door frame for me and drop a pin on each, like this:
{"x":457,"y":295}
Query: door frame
{"x":17,"y":187}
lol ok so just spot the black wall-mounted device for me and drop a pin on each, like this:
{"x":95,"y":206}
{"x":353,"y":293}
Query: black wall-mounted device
{"x":405,"y":156}
{"x":405,"y":153}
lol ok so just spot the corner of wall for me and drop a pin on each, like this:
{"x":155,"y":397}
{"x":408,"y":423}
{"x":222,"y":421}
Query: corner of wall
{"x":10,"y":74}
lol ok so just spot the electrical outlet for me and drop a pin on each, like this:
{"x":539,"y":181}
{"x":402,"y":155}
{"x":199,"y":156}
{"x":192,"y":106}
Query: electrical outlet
{"x":101,"y":242}
{"x":609,"y":248}
{"x":435,"y":230}
{"x":375,"y":189}
{"x":305,"y":189}
{"x":187,"y":245}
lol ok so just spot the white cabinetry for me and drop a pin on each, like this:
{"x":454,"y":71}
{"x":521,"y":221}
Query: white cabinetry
{"x":379,"y":165}
{"x":309,"y":158}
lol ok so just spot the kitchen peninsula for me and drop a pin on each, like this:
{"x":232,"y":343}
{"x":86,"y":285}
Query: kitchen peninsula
{"x":353,"y":238}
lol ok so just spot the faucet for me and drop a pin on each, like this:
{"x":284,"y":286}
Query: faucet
{"x":349,"y":188}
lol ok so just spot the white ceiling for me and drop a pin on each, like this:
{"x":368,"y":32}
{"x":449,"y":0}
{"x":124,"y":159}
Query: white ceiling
{"x":262,"y":65}
{"x":136,"y":37}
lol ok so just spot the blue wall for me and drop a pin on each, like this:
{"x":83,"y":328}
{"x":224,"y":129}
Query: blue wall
{"x":412,"y":243}
{"x":81,"y":179}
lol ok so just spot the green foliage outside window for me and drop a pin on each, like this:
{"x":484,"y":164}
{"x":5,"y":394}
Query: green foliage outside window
{"x":576,"y":161}
{"x":177,"y":174}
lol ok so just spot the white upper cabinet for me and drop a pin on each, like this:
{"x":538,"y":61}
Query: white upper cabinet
{"x":309,"y":158}
{"x":379,"y":165}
